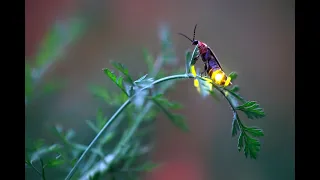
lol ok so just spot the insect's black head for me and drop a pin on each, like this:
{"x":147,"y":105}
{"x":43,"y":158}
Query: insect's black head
{"x":193,"y":41}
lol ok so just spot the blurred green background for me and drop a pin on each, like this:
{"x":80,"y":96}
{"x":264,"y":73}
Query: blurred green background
{"x":252,"y":37}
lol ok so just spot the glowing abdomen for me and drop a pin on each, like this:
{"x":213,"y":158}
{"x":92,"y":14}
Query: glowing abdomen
{"x":216,"y":74}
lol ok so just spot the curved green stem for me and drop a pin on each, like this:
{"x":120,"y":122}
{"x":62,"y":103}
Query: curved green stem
{"x":73,"y":170}
{"x":229,"y":101}
{"x":115,"y":115}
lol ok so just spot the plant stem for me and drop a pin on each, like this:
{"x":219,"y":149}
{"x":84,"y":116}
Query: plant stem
{"x":73,"y":170}
{"x":42,"y":166}
{"x":33,"y":167}
{"x":229,"y":101}
{"x":173,"y":77}
{"x":132,"y":130}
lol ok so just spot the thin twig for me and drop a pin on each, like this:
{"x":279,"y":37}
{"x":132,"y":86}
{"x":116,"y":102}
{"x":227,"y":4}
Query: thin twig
{"x":42,"y":166}
{"x":229,"y":101}
{"x":104,"y":164}
{"x":107,"y":159}
{"x":73,"y":170}
{"x":33,"y":167}
{"x":168,"y":78}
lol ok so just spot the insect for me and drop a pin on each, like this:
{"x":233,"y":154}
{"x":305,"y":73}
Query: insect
{"x":212,"y":65}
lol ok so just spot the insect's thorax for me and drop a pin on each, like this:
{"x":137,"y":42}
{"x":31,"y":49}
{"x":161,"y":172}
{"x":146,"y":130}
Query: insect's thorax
{"x":203,"y":48}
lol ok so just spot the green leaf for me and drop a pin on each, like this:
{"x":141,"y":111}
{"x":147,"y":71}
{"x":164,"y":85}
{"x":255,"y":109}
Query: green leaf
{"x":70,"y":134}
{"x":58,"y":129}
{"x":254,"y":131}
{"x":38,"y":144}
{"x":204,"y":87}
{"x":234,"y":94}
{"x":235,"y":88}
{"x":101,"y":92}
{"x":214,"y":95}
{"x":100,"y":119}
{"x":55,"y":162}
{"x":176,"y":119}
{"x":120,"y":84}
{"x":251,"y":109}
{"x":54,"y":148}
{"x":165,"y":102}
{"x":141,"y":78}
{"x":167,"y":49}
{"x":118,"y":81}
{"x":96,"y":176}
{"x":108,"y":137}
{"x":118,"y":99}
{"x":44,"y":151}
{"x":111,"y":75}
{"x":143,"y":81}
{"x":235,"y":125}
{"x":233,"y":75}
{"x":195,"y":53}
{"x":147,"y":166}
{"x":151,"y":114}
{"x":240,"y":141}
{"x":148,"y":59}
{"x":123,"y":70}
{"x":73,"y":161}
{"x":81,"y":148}
{"x":92,"y":126}
{"x":188,"y":61}
{"x":252,"y":147}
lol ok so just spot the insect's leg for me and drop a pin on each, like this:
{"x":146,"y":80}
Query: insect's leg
{"x":195,"y":59}
{"x":205,"y":69}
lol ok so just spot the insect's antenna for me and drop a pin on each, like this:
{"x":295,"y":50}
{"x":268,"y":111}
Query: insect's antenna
{"x":194,"y":32}
{"x":185,"y":36}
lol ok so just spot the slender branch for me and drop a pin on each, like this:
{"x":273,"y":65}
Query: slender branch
{"x":229,"y":101}
{"x":173,"y":77}
{"x":42,"y":166}
{"x":105,"y":163}
{"x":124,"y":141}
{"x":104,"y":166}
{"x":73,"y":170}
{"x":33,"y":167}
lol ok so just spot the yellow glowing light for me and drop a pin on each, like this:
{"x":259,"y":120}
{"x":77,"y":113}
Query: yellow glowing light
{"x":207,"y":82}
{"x":196,"y":83}
{"x":213,"y":75}
{"x":218,"y":77}
{"x":227,"y":81}
{"x":193,"y":70}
